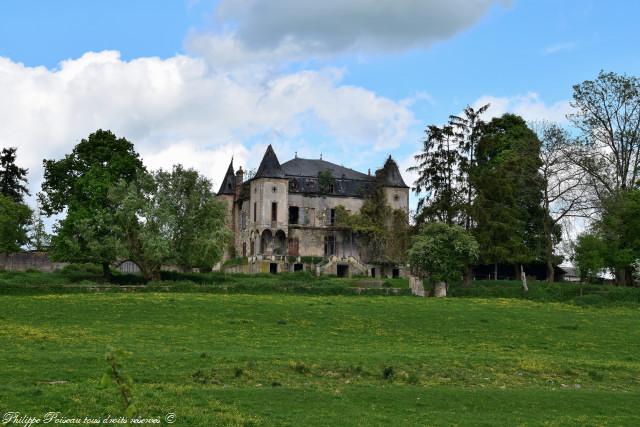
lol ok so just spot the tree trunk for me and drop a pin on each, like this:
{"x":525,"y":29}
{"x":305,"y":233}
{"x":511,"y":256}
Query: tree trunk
{"x":550,"y":271}
{"x":517,"y":270}
{"x":106,"y":272}
{"x":548,"y":249}
{"x":495,"y":271}
{"x":467,"y":276}
{"x":524,"y":279}
{"x":620,"y":277}
{"x":440,"y":289}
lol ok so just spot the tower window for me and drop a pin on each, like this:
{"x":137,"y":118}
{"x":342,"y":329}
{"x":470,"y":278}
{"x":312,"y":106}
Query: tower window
{"x":274,"y":211}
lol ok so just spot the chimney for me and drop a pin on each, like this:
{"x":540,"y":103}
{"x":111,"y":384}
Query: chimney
{"x":369,"y":172}
{"x":239,"y":176}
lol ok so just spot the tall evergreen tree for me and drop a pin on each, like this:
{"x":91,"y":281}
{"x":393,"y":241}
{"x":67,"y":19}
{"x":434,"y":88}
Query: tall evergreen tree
{"x":508,"y":204}
{"x":444,"y":167}
{"x":13,"y":179}
{"x":468,"y":129}
{"x":439,"y":177}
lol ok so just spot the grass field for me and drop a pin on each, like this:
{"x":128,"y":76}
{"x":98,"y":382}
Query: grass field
{"x":215,"y":359}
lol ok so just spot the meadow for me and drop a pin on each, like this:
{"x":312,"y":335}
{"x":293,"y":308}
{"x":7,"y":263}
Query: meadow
{"x":286,"y":358}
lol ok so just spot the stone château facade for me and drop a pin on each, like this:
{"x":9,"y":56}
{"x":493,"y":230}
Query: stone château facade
{"x":285,"y":214}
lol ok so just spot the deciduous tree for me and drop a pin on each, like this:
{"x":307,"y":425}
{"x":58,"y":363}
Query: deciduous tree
{"x":170,"y":218}
{"x":14,"y":223}
{"x":79,"y":183}
{"x":607,"y":115}
{"x":441,"y":251}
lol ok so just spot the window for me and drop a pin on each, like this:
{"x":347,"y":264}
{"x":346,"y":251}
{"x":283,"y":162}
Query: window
{"x":274,"y":211}
{"x":244,"y":248}
{"x":331,"y":189}
{"x":274,"y":189}
{"x":332,"y":217}
{"x":294,"y":215}
{"x":255,"y":210}
{"x":396,"y":197}
{"x":329,"y":245}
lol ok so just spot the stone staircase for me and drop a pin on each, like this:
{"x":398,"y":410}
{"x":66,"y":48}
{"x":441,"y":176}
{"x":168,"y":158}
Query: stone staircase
{"x":355,"y":266}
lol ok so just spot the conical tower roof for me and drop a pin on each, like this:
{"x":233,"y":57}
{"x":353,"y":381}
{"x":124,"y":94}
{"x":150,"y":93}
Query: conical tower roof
{"x":228,"y":185}
{"x":391,"y":174}
{"x":269,"y":166}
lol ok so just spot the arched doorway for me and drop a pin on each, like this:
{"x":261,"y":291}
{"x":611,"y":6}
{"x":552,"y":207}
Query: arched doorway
{"x":266,"y":242}
{"x":280,"y":247}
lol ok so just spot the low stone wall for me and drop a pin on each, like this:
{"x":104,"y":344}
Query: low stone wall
{"x":23,"y":261}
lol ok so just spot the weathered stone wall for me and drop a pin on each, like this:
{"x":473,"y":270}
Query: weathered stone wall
{"x":397,"y":198}
{"x":264,"y":192}
{"x":23,"y":261}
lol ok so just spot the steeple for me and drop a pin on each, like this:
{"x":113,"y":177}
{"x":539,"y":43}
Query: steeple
{"x":228,"y":185}
{"x":269,"y":166}
{"x":391,"y":174}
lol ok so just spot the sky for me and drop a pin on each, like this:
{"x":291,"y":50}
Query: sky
{"x":199,"y":81}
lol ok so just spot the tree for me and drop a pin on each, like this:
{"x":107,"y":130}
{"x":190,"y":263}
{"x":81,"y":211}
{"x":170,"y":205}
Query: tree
{"x":613,"y":242}
{"x":15,"y":219}
{"x":39,"y":239}
{"x":589,"y":256}
{"x":13,"y":179}
{"x":442,"y":251}
{"x":79,"y":183}
{"x":444,"y":166}
{"x":385,"y":230}
{"x":439,"y":177}
{"x":170,"y":218}
{"x":508,"y":203}
{"x":564,"y":188}
{"x":607,"y":115}
{"x":619,"y":228}
{"x":468,"y":129}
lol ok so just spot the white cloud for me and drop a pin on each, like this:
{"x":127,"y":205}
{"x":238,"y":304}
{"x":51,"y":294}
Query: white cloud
{"x":180,"y":110}
{"x":529,"y":106}
{"x":558,"y":47}
{"x":255,"y":30}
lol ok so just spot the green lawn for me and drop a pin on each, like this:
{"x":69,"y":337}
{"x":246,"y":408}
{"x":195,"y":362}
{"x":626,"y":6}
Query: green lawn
{"x":216,"y":359}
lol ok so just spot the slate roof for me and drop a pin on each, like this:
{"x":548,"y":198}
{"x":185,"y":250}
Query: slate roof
{"x":303,"y":175}
{"x":229,"y":182}
{"x":312,"y":167}
{"x":392,"y":176}
{"x":269,"y":166}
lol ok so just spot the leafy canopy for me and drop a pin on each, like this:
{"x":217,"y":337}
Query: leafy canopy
{"x":508,"y":203}
{"x":442,"y":251}
{"x":170,"y":218}
{"x":15,"y":219}
{"x":80,"y":183}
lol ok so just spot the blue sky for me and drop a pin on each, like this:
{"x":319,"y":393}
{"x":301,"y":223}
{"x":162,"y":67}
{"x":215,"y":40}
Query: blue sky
{"x":198,"y":81}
